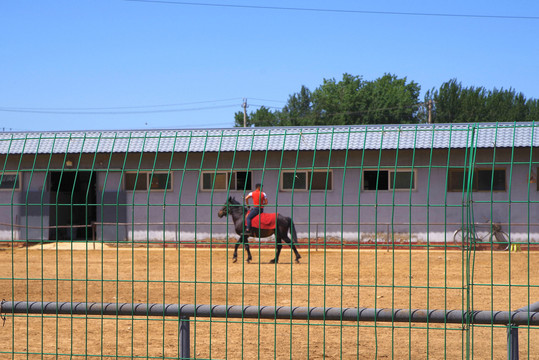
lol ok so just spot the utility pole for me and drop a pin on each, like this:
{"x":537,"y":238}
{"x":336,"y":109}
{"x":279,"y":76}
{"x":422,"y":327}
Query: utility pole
{"x":429,"y":106}
{"x":244,"y":112}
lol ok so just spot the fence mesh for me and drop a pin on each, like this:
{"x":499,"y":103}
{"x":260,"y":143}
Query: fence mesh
{"x":412,"y":217}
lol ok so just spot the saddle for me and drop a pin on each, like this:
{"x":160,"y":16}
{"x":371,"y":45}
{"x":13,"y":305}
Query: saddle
{"x":264,"y":221}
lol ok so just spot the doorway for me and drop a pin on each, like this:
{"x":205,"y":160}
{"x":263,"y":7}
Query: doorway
{"x":72,"y":205}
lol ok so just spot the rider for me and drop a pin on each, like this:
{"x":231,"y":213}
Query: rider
{"x":259,"y":200}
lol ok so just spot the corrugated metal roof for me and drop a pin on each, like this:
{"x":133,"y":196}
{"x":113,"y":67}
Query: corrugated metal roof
{"x":261,"y":139}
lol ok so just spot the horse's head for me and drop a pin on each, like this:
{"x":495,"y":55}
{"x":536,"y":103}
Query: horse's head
{"x":225,"y":209}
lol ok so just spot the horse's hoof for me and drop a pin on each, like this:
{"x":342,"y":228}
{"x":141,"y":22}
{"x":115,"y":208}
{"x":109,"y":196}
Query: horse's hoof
{"x":297,"y":261}
{"x":248,"y":261}
{"x":235,"y":259}
{"x":272,"y":261}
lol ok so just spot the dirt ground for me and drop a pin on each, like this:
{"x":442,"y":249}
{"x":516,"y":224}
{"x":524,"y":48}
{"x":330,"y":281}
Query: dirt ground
{"x":331,"y":277}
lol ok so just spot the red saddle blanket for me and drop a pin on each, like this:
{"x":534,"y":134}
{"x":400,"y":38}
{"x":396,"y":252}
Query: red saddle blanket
{"x":264,"y":221}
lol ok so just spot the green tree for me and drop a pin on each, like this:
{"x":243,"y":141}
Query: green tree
{"x":454,"y":103}
{"x":533,"y":110}
{"x":386,"y":100}
{"x":298,"y":111}
{"x":390,"y":100}
{"x":393,"y":100}
{"x":338,"y":103}
{"x":505,"y":105}
{"x":261,"y":117}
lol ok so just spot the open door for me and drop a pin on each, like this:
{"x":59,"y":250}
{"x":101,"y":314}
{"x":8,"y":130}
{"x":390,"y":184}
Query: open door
{"x":72,"y":205}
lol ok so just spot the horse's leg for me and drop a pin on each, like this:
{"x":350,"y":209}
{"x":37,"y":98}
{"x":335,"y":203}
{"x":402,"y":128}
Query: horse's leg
{"x":298,"y":256}
{"x":293,"y":247}
{"x":296,"y":252}
{"x":247,"y":248}
{"x":235,"y":256}
{"x":278,"y":252}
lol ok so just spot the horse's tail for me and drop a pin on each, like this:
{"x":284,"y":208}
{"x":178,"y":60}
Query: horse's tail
{"x":293,"y":232}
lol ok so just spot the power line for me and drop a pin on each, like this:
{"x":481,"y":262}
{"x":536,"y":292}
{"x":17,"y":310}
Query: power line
{"x":117,"y":107}
{"x":277,"y":101}
{"x":343,"y":11}
{"x":267,"y":106}
{"x":86,"y":112}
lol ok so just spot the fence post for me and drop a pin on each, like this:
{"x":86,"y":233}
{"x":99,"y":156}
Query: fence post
{"x":512,"y":332}
{"x":185,"y":336}
{"x":512,"y":342}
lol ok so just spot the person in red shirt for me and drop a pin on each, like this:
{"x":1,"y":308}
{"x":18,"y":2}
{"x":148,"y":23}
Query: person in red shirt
{"x":259,"y":200}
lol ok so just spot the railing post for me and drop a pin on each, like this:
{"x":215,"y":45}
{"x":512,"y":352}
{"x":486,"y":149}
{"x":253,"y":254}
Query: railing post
{"x":512,"y":332}
{"x":185,"y":336}
{"x":512,"y":342}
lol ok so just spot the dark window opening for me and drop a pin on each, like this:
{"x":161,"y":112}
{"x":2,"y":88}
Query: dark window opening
{"x":215,"y":181}
{"x":320,"y":180}
{"x":9,"y":182}
{"x":458,"y":180}
{"x":489,"y":180}
{"x":294,"y":181}
{"x":402,"y":180}
{"x":243,"y":181}
{"x":483,"y":180}
{"x":137,"y":182}
{"x":160,"y":181}
{"x":305,"y":180}
{"x":375,"y":180}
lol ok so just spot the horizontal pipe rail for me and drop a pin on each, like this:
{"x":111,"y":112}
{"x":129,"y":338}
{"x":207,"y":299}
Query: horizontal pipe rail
{"x":512,"y":333}
{"x":272,"y":312}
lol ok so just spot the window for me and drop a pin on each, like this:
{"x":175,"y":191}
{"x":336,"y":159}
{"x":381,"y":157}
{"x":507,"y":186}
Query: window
{"x":490,"y":180}
{"x":10,"y":181}
{"x":402,"y":180}
{"x":388,"y":180}
{"x":458,"y":180}
{"x":319,"y":179}
{"x":375,"y":180}
{"x":302,"y":180}
{"x":242,"y":181}
{"x":291,"y":181}
{"x":214,"y":180}
{"x":239,"y":180}
{"x":160,"y":181}
{"x":156,"y":180}
{"x":483,"y":180}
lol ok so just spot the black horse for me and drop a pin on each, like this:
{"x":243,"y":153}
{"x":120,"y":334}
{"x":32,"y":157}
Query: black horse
{"x":284,"y":224}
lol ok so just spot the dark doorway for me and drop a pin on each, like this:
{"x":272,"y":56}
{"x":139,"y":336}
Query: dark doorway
{"x":72,"y":205}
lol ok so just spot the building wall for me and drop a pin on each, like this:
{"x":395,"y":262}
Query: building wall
{"x":186,"y":212}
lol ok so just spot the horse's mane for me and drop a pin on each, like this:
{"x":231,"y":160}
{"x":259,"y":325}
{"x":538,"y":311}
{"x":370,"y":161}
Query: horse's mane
{"x":232,"y":200}
{"x":236,"y":207}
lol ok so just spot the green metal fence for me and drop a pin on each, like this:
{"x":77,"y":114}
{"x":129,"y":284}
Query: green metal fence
{"x":416,"y":241}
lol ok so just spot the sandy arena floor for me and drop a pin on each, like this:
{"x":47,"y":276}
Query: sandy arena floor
{"x":332,"y":278}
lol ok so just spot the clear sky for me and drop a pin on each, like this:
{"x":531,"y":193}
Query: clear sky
{"x":120,"y":64}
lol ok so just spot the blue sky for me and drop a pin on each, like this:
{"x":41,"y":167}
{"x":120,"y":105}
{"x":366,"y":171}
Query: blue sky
{"x":117,"y":64}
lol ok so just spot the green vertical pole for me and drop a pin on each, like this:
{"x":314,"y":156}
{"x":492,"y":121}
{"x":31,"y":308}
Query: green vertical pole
{"x":428,"y":206}
{"x":169,"y":181}
{"x":360,"y":189}
{"x":445,"y":207}
{"x":376,"y":213}
{"x":392,"y":221}
{"x":470,"y":255}
{"x":181,"y":339}
{"x":218,"y":157}
{"x":342,"y":208}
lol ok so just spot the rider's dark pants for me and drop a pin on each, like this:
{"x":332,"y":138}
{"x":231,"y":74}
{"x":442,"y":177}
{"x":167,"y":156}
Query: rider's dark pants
{"x":254,"y":212}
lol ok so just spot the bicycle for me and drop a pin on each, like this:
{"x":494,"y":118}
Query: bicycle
{"x":467,"y":238}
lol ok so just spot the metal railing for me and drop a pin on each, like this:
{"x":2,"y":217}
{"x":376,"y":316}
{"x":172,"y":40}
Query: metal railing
{"x":528,"y":316}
